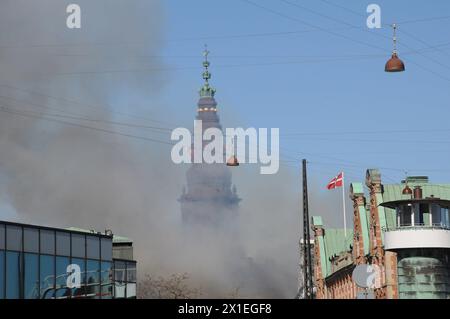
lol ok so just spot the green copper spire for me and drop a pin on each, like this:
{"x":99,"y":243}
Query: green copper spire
{"x":206,"y":90}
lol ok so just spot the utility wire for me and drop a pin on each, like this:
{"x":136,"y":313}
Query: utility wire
{"x":368,"y":132}
{"x":84,"y":118}
{"x":387,"y":168}
{"x":412,"y":36}
{"x":210,"y":37}
{"x":70,"y":101}
{"x":166,"y":129}
{"x":243,"y":65}
{"x":312,"y":25}
{"x":400,"y":22}
{"x":6,"y":110}
{"x":376,"y":140}
{"x":376,"y":34}
{"x":350,"y":58}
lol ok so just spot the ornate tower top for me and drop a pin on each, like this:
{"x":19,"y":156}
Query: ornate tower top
{"x":209,"y":197}
{"x":206,"y":90}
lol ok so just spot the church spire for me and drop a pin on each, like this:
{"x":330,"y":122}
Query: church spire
{"x":206,"y":90}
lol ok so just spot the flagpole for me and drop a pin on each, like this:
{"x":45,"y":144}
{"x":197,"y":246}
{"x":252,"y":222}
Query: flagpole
{"x":343,"y":205}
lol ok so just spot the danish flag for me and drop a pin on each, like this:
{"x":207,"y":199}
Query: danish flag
{"x":336,"y":182}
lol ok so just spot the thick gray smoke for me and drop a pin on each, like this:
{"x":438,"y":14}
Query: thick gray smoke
{"x":57,"y":174}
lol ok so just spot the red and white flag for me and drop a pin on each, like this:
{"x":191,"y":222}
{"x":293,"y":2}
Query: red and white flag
{"x":336,"y":182}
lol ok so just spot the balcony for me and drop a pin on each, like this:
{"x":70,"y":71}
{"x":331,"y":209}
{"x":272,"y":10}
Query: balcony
{"x":420,"y":223}
{"x":417,"y":236}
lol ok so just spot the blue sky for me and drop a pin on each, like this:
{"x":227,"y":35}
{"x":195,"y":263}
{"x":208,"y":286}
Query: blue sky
{"x":316,"y":73}
{"x":323,"y":83}
{"x":310,"y":68}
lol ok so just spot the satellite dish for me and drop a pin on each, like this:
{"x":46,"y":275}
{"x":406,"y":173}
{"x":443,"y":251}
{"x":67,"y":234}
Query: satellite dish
{"x":367,"y":276}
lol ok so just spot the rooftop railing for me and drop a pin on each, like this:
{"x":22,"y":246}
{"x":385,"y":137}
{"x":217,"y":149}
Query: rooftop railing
{"x":440,"y":226}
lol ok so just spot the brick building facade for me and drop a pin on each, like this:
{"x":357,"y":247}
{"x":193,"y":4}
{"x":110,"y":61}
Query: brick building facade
{"x":377,"y":213}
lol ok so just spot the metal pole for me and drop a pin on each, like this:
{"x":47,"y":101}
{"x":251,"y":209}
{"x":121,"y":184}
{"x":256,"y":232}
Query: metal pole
{"x":305,"y":249}
{"x":308,"y":273}
{"x":343,"y":205}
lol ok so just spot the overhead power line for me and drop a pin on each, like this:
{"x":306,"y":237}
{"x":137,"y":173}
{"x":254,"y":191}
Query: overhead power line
{"x":376,"y":34}
{"x":347,"y":163}
{"x":368,"y":132}
{"x":82,"y":117}
{"x":6,"y":110}
{"x":312,"y":25}
{"x":412,"y":36}
{"x":399,"y":22}
{"x":387,"y":168}
{"x":75,"y":116}
{"x":90,"y":106}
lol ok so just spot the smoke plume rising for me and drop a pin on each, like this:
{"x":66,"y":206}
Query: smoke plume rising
{"x":60,"y":174}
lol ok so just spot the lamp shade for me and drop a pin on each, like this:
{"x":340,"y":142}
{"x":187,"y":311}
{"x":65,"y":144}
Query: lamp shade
{"x":394,"y":64}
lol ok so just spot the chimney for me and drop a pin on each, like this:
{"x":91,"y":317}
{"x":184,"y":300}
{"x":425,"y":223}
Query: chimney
{"x":417,"y":192}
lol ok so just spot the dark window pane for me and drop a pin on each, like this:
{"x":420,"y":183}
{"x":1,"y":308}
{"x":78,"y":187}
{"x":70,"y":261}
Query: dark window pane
{"x":47,"y":264}
{"x":405,"y":216}
{"x":93,"y":279}
{"x":47,"y":242}
{"x":2,"y":236}
{"x":62,"y":291}
{"x":2,"y":272}
{"x":106,"y":248}
{"x":93,"y":247}
{"x":14,"y":237}
{"x":435,"y":214}
{"x":445,"y":218}
{"x":31,"y":240}
{"x":78,"y":245}
{"x":63,"y":243}
{"x":131,"y":272}
{"x":417,"y":214}
{"x":31,"y":282}
{"x":13,"y":277}
{"x":80,"y":292}
{"x":106,"y":279}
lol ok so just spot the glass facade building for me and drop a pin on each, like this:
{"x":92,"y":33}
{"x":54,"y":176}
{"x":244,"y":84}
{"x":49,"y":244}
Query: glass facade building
{"x":37,"y":263}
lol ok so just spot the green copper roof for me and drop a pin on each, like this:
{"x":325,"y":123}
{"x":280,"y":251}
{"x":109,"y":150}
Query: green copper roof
{"x":317,"y":221}
{"x":357,"y":188}
{"x":335,"y":244}
{"x":121,"y":239}
{"x":394,"y":192}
